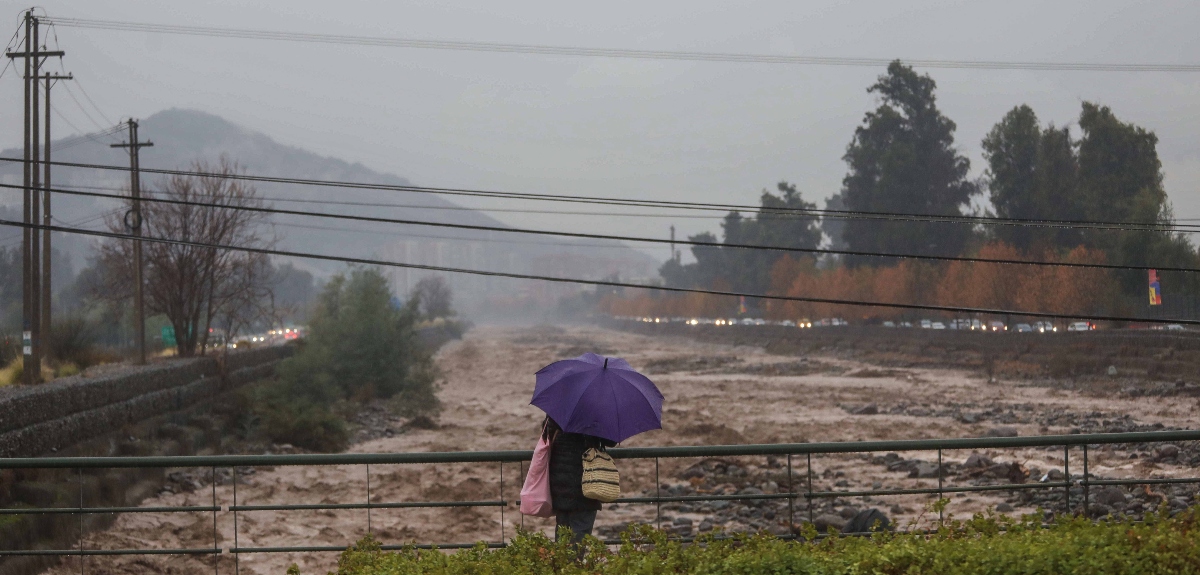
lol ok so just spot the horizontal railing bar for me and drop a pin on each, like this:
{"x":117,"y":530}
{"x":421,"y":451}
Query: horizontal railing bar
{"x":337,"y":549}
{"x":684,"y":498}
{"x":34,"y":552}
{"x":831,"y":494}
{"x":619,"y":453}
{"x":74,"y":510}
{"x":931,"y":490}
{"x":1164,"y":481}
{"x":320,"y":506}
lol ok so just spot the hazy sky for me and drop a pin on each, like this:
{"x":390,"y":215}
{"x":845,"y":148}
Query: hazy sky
{"x":697,"y":131}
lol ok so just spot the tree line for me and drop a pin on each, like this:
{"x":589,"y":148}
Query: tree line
{"x":903,"y":159}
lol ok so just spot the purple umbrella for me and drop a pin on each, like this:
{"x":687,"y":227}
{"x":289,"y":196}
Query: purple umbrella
{"x":600,"y":396}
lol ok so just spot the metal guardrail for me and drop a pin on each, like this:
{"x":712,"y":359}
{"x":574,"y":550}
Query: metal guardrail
{"x":788,"y":450}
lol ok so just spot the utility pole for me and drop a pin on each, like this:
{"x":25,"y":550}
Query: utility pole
{"x":133,"y":221}
{"x":47,"y":271}
{"x":30,"y":322}
{"x":672,"y":242}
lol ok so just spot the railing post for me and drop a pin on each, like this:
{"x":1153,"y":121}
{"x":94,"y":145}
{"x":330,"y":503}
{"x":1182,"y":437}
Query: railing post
{"x":791,"y":498}
{"x":82,"y":557}
{"x":1067,"y":473}
{"x":505,"y":503}
{"x":810,"y":491}
{"x":522,"y":467}
{"x":236,"y":556}
{"x":1086,"y":479}
{"x":657,"y":497}
{"x":941,"y":518}
{"x":369,"y":530}
{"x":216,"y":545}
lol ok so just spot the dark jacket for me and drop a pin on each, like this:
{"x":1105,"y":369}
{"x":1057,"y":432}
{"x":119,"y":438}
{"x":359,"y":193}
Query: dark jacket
{"x":566,"y":469}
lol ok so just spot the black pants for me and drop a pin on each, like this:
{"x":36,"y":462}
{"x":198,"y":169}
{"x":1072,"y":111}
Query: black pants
{"x":580,"y":522}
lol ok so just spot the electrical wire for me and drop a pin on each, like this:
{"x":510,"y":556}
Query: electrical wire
{"x":83,"y":91}
{"x":444,"y":208}
{"x":581,"y":281}
{"x":453,"y":238}
{"x":811,"y":212}
{"x":10,"y":240}
{"x":352,"y":40}
{"x":786,"y":249}
{"x":82,"y":137}
{"x":98,"y":125}
{"x":9,"y":46}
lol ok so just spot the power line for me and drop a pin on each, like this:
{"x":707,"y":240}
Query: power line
{"x":443,"y":208}
{"x":580,"y":281}
{"x":669,"y":204}
{"x":458,"y":45}
{"x":374,"y":219}
{"x":93,"y":103}
{"x":459,"y":238}
{"x":84,"y":110}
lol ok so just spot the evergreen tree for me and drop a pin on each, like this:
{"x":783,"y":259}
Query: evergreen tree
{"x":1032,"y":174}
{"x":902,"y":160}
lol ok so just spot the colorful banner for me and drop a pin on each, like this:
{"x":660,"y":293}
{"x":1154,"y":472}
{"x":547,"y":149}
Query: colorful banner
{"x":1155,"y":289}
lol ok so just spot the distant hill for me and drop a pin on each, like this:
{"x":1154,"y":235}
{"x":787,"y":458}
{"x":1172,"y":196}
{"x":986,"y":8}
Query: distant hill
{"x":183,"y":136}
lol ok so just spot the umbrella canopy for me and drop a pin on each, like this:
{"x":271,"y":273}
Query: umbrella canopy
{"x":600,"y":396}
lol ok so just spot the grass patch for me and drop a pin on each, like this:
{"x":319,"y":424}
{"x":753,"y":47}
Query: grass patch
{"x":985,"y":544}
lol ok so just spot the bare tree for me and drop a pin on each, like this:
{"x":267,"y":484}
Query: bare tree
{"x":198,"y":287}
{"x":434,"y":297}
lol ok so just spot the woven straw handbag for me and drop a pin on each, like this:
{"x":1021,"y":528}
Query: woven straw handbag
{"x":600,"y":478}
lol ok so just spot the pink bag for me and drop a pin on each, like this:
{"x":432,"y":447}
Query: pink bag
{"x":535,"y":494}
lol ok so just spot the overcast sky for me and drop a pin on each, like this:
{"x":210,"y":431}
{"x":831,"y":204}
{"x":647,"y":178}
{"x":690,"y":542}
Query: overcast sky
{"x":697,"y":131}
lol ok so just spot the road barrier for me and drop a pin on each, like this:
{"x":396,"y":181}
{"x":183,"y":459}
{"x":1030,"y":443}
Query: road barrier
{"x":795,"y":477}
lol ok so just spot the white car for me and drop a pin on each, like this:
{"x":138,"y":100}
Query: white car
{"x":926,"y":324}
{"x":889,"y":324}
{"x":1080,"y":326}
{"x":937,"y":325}
{"x":1175,"y":327}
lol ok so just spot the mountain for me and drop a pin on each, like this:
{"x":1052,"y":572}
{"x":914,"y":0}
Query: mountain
{"x":182,"y":137}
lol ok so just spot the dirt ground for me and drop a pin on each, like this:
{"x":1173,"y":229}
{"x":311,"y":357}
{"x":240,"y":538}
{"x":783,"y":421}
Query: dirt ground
{"x":715,"y":394}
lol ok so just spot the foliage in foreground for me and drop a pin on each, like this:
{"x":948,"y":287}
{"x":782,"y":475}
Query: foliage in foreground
{"x":360,"y":346}
{"x":984,"y":544}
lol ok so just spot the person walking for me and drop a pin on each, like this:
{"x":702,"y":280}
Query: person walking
{"x":572,"y":508}
{"x":591,"y":403}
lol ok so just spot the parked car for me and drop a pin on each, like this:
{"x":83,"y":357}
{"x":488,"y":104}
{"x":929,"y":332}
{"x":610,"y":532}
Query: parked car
{"x":960,"y":324}
{"x":906,"y":324}
{"x":1044,"y":326}
{"x":1024,"y":328}
{"x":926,"y":324}
{"x":1080,"y":326}
{"x":937,"y":325}
{"x":1175,"y":327}
{"x":997,"y":326}
{"x":787,"y":323}
{"x":889,"y":324}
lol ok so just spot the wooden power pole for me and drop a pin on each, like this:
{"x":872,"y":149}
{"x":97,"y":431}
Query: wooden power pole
{"x":133,"y":221}
{"x":47,"y":253}
{"x":30,"y":254}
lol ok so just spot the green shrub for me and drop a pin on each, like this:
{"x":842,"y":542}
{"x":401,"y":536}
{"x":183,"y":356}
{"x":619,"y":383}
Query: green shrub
{"x":359,"y":347}
{"x":983,"y":545}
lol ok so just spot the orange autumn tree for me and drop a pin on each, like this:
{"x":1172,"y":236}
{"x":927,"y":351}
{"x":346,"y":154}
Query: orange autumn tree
{"x":1065,"y":291}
